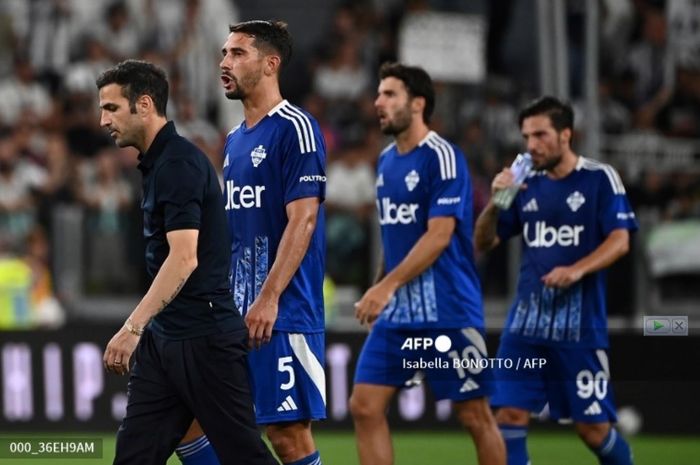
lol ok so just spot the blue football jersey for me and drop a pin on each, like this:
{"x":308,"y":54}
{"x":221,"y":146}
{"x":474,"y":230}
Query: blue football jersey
{"x":279,"y":160}
{"x":429,"y":181}
{"x":562,"y":221}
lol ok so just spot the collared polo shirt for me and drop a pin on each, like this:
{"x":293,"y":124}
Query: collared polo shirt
{"x":181,"y":191}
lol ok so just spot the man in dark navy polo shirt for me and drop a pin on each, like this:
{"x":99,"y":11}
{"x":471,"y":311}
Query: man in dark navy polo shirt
{"x":189,"y":340}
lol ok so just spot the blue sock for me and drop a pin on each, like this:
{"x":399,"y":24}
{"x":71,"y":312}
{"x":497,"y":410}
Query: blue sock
{"x":313,"y":459}
{"x":197,"y":452}
{"x":614,"y":450}
{"x":515,"y":438}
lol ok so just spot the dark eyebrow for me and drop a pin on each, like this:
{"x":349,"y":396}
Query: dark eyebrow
{"x":232,"y":49}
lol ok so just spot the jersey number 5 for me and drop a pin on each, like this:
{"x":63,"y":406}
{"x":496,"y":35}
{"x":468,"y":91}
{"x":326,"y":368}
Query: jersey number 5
{"x":284,"y":364}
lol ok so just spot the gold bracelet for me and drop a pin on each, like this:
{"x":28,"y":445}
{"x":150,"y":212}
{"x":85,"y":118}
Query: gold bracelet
{"x":132,"y":329}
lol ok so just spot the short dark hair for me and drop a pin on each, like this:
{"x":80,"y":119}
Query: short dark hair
{"x":268,"y":35}
{"x":417,"y":82}
{"x":560,"y":113}
{"x":138,"y":78}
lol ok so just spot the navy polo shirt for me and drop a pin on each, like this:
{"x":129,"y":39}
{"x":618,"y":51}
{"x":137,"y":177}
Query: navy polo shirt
{"x":181,"y":191}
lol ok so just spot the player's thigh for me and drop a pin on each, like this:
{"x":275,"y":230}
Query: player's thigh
{"x":370,"y":400}
{"x":460,"y":368}
{"x":517,"y":387}
{"x":579,"y":386}
{"x":288,"y":378}
{"x":382,"y":360}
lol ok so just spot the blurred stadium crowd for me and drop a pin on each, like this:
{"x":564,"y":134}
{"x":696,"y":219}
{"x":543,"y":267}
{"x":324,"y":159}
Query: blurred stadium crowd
{"x":55,"y":159}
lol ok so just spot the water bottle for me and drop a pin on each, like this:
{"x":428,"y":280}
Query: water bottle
{"x":521,"y":167}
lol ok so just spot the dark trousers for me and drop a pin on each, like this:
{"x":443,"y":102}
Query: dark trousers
{"x":174,"y":381}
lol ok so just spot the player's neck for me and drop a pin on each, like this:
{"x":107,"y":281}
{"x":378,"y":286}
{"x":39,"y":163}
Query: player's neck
{"x":565,"y":167}
{"x":152,"y":129}
{"x":411,"y":137}
{"x":259,"y":104}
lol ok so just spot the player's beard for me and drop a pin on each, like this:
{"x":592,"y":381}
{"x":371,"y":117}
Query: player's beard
{"x":400,"y":122}
{"x":552,"y":161}
{"x":243,"y":86}
{"x":549,"y":163}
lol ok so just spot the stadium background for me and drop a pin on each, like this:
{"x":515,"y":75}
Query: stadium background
{"x":70,"y":250}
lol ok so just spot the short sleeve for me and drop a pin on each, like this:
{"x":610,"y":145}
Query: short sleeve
{"x":449,"y":183}
{"x":304,"y":160}
{"x":614,"y":209}
{"x":180,"y":189}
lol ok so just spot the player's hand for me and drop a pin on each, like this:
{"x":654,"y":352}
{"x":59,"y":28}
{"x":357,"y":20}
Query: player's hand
{"x":503,"y":180}
{"x":118,"y":352}
{"x":260,"y":319}
{"x":368,"y":308}
{"x":562,"y":276}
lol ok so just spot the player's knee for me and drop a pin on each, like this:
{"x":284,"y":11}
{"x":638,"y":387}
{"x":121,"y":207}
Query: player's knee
{"x":475,"y":416}
{"x":592,"y":434}
{"x":289,"y":442}
{"x":361,"y":408}
{"x":512,"y":416}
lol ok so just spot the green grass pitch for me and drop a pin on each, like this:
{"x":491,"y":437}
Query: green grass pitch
{"x":443,"y":448}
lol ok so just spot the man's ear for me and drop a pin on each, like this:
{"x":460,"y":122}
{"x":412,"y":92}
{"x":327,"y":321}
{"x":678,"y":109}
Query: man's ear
{"x":565,"y":136}
{"x":272,"y":65}
{"x":144,"y":105}
{"x":418,"y":105}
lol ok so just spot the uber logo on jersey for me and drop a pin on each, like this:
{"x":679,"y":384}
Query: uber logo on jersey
{"x":243,"y":196}
{"x":258,"y":155}
{"x":548,"y":236}
{"x":391,"y":213}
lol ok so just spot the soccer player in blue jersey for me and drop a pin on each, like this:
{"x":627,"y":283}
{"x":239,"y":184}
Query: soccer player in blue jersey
{"x":429,"y":288}
{"x":575,"y":221}
{"x":274,"y":173}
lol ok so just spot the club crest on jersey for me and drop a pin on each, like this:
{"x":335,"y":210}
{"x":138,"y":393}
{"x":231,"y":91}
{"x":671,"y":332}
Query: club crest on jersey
{"x":412,"y":179}
{"x":226,"y":161}
{"x":575,"y":200}
{"x":258,"y":155}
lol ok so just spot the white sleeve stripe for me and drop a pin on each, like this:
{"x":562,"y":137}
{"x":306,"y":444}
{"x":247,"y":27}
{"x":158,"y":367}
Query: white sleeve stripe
{"x":441,"y":159}
{"x":446,"y":157}
{"x":453,"y":160}
{"x":302,"y":125}
{"x":307,"y":124}
{"x":302,"y":148}
{"x":612,"y":175}
{"x":452,"y":166}
{"x":304,"y":130}
{"x":442,"y":146}
{"x":309,"y":362}
{"x":611,"y":178}
{"x":616,"y":175}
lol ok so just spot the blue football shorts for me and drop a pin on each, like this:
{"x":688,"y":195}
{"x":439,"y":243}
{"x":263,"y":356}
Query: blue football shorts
{"x":287,"y":378}
{"x":448,"y":359}
{"x":572,"y":384}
